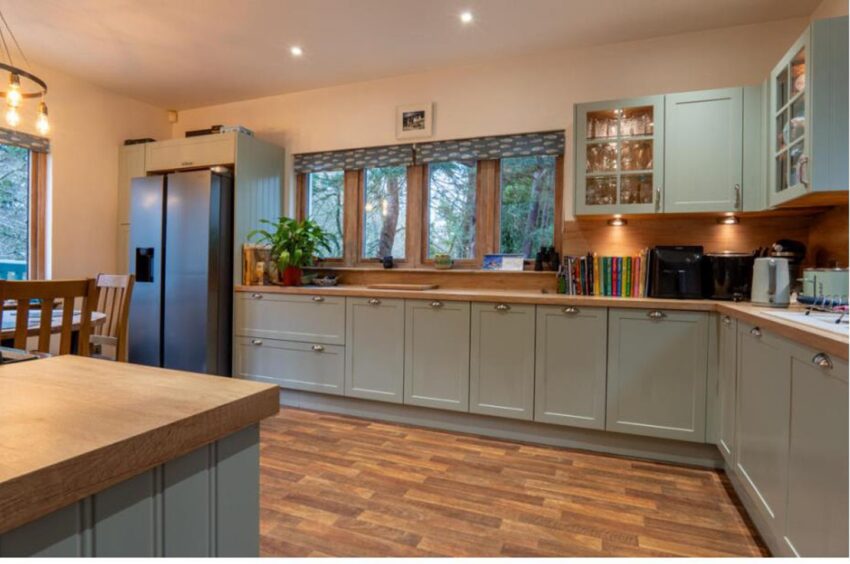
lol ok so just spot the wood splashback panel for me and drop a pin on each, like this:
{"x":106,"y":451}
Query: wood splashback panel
{"x":823,"y":232}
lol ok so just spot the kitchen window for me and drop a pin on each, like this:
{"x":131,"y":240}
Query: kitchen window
{"x":526,"y":204}
{"x":384,"y":218}
{"x":451,"y":213}
{"x":21,"y":213}
{"x":325,"y":201}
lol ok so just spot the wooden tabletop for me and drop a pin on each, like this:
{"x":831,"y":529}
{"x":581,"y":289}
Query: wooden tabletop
{"x":73,"y":426}
{"x":825,"y":341}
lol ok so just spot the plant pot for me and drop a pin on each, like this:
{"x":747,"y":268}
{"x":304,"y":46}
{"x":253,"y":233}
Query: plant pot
{"x":292,"y":276}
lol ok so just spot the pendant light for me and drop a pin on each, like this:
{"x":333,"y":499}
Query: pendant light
{"x":23,"y":85}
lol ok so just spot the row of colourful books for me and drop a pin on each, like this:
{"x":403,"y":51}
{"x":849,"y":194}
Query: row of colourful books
{"x":594,"y":275}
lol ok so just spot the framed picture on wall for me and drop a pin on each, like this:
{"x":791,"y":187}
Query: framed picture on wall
{"x":414,"y":120}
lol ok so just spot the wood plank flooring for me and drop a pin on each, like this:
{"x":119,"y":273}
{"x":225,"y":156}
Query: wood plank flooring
{"x":341,"y":486}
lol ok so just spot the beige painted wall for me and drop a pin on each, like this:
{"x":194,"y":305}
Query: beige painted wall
{"x":88,"y":125}
{"x":522,"y":94}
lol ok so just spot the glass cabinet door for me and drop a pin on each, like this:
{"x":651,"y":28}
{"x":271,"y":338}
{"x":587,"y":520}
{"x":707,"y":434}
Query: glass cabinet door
{"x":789,"y":139}
{"x":618,"y":149}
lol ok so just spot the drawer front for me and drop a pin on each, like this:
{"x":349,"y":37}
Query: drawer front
{"x":299,"y":366}
{"x":307,"y":319}
{"x":189,"y":153}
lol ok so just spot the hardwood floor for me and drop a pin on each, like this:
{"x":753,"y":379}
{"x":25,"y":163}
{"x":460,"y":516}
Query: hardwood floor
{"x":340,"y":486}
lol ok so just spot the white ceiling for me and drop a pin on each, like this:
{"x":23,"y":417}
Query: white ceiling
{"x":188,"y":53}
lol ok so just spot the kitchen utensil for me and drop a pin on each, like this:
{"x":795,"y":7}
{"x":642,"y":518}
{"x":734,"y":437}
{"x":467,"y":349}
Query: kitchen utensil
{"x":795,"y":252}
{"x":771,"y":282}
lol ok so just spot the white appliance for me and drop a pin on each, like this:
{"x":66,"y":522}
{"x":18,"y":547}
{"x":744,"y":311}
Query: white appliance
{"x":771,"y":282}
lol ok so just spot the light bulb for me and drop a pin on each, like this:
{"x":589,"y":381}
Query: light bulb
{"x":13,"y":96}
{"x":13,"y":118}
{"x":42,"y":123}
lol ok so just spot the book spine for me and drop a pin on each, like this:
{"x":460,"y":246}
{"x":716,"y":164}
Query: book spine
{"x":596,"y":278}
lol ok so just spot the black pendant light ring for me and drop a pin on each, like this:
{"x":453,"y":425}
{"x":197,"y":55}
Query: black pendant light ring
{"x":29,"y":76}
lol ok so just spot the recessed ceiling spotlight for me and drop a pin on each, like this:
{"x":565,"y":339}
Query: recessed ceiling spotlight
{"x":296,"y":51}
{"x":466,"y":17}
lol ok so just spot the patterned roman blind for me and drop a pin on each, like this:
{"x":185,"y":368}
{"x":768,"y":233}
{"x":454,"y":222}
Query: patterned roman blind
{"x":484,"y":148}
{"x":354,"y":159}
{"x":25,"y":140}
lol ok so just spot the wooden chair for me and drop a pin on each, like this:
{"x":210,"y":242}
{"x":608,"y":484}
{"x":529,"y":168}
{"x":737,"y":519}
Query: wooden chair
{"x":114,"y":300}
{"x":48,"y":292}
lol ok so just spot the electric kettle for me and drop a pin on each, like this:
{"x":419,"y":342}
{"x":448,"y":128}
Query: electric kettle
{"x":771,"y":282}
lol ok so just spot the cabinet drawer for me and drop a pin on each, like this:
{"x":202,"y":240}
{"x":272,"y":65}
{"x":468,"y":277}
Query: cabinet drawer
{"x":299,"y":366}
{"x":206,"y":150}
{"x":307,"y":319}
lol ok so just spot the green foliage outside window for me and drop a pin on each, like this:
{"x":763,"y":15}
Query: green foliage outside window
{"x":14,"y":211}
{"x":451,"y":209}
{"x":325,"y":193}
{"x":527,"y":213}
{"x":385,"y":212}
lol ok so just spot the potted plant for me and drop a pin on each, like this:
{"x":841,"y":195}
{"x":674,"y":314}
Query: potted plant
{"x":293,"y":245}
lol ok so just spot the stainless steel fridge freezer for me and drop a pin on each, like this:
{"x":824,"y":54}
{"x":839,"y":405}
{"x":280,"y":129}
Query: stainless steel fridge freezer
{"x":181,"y":251}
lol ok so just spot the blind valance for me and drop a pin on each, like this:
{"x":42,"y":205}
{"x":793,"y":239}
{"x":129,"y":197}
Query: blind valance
{"x":478,"y":148}
{"x":355,"y":159}
{"x":497,"y":147}
{"x":25,"y":140}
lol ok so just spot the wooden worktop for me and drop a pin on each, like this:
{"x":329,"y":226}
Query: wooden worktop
{"x":72,"y":426}
{"x":831,"y":343}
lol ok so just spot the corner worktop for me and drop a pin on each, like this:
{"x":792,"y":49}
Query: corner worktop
{"x":831,"y":343}
{"x":71,"y":427}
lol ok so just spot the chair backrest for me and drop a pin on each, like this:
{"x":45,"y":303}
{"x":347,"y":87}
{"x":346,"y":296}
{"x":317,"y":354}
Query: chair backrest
{"x":49,"y":292}
{"x":115,"y":291}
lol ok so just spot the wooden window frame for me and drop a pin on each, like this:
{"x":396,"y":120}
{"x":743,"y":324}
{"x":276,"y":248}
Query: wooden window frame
{"x":487,"y":215}
{"x":37,"y":237}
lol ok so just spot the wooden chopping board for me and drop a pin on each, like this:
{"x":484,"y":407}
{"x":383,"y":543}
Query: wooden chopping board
{"x":410,"y":287}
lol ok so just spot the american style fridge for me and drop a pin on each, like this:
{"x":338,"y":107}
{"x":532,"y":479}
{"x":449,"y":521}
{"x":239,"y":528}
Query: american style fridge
{"x":181,"y":252}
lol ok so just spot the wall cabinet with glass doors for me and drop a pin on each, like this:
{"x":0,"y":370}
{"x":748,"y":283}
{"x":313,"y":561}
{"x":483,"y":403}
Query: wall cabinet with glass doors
{"x":619,"y":153}
{"x":808,"y":116}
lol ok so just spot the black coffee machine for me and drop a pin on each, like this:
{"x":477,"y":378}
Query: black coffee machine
{"x":676,"y":272}
{"x":728,"y":276}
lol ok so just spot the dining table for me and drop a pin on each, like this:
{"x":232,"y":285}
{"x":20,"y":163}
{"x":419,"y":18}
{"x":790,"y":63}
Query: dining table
{"x":8,"y":320}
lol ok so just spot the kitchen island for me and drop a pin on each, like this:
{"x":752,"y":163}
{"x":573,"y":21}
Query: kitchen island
{"x":99,"y":458}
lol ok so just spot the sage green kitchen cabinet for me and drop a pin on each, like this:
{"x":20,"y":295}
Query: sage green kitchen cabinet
{"x":570,"y":370}
{"x":657,"y":370}
{"x":313,"y":319}
{"x":808,"y":147}
{"x":762,"y":421}
{"x":374,"y":355}
{"x":436,"y":354}
{"x":501,"y":374}
{"x":619,"y":156}
{"x":703,"y":161}
{"x":290,"y":364}
{"x":816,"y":519}
{"x":727,"y":381}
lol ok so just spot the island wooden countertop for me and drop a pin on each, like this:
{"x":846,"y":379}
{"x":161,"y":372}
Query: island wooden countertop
{"x":825,"y":341}
{"x":72,"y":426}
